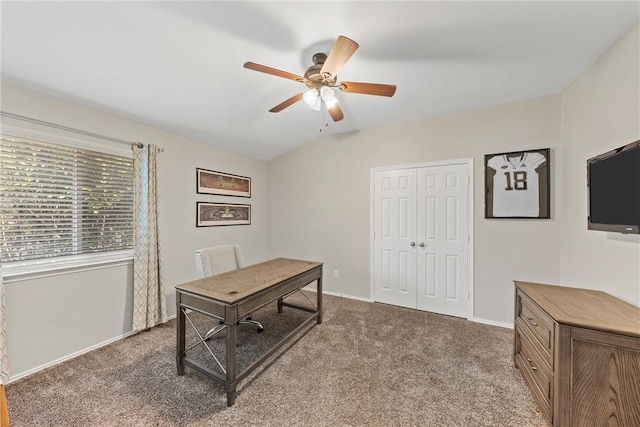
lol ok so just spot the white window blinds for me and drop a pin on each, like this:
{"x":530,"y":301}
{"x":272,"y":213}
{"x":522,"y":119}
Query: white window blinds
{"x":58,"y":201}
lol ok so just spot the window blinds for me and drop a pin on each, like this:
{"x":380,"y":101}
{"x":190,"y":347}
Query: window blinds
{"x":57,"y":201}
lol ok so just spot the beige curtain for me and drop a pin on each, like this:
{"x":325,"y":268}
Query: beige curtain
{"x":4,"y":359}
{"x":149,"y":303}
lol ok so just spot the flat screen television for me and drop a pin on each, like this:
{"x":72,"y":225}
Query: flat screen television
{"x":613,"y":181}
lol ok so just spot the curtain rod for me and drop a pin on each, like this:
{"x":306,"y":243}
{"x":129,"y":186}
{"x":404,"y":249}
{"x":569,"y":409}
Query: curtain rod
{"x":68,"y":129}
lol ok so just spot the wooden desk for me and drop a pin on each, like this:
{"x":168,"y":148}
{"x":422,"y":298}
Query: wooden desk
{"x":232,"y":296}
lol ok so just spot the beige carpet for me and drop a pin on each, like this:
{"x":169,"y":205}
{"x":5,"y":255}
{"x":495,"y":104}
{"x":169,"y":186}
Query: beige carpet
{"x":366,"y":365}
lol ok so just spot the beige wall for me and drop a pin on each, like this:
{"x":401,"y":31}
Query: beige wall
{"x":319,"y":198}
{"x":600,"y":112}
{"x":53,"y":317}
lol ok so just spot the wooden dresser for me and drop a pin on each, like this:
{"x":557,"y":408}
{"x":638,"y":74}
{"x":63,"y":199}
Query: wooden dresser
{"x":579,"y":353}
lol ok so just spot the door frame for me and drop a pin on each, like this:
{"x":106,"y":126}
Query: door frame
{"x":470,"y":220}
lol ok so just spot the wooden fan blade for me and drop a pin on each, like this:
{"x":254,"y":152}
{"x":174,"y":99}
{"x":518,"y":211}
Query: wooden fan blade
{"x":339,"y":55}
{"x":264,"y":69}
{"x":295,"y":98}
{"x":336,"y":113}
{"x":368,"y":88}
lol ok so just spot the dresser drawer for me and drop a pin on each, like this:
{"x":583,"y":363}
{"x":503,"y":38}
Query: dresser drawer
{"x":534,"y":371}
{"x":538,"y":322}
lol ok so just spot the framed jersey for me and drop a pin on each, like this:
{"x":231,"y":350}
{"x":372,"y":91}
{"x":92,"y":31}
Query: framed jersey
{"x":517,"y":184}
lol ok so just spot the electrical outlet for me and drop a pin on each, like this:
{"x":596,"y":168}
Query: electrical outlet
{"x":336,"y":274}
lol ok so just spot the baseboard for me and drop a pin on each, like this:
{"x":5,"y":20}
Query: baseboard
{"x":313,"y":288}
{"x":73,"y":355}
{"x":491,"y":322}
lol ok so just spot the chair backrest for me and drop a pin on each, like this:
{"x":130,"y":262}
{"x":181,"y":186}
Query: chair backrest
{"x":218,"y":259}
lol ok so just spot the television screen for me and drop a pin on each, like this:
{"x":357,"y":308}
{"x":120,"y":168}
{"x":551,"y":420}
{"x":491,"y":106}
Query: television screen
{"x":614,"y":190}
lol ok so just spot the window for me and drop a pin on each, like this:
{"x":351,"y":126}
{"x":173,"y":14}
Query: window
{"x":59,"y":201}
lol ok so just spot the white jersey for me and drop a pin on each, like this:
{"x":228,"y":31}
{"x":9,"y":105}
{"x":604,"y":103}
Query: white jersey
{"x":515,"y":185}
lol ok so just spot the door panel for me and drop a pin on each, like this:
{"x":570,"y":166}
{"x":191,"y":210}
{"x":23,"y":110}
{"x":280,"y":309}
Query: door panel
{"x":395,"y":228}
{"x":442,"y":236}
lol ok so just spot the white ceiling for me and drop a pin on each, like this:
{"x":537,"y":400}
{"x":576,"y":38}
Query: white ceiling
{"x":178,"y":65}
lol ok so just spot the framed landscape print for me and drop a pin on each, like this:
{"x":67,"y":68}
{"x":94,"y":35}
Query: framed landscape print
{"x":517,"y":184}
{"x":223,"y":184}
{"x":212,"y":214}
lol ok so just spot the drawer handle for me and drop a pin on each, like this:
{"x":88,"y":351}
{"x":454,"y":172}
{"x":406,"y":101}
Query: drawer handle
{"x":531,"y":320}
{"x":533,"y":368}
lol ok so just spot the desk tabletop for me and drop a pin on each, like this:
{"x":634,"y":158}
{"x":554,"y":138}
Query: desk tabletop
{"x":235,"y":285}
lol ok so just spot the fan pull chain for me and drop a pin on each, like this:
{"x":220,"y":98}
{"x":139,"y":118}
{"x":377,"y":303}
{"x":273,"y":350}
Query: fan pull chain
{"x":323,"y":118}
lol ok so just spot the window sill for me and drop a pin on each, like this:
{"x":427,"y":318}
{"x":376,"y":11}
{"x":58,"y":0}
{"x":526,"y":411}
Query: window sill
{"x":19,"y":271}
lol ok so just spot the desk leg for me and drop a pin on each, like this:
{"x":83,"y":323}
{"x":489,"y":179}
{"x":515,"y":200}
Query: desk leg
{"x":279,"y":305}
{"x":231,"y":319}
{"x":319,"y":302}
{"x":180,"y":334}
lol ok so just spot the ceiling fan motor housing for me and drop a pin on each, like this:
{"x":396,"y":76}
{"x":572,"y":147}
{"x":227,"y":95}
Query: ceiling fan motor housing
{"x":314,"y":75}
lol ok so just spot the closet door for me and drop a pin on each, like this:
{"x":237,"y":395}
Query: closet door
{"x":394,"y":237}
{"x":443,"y":239}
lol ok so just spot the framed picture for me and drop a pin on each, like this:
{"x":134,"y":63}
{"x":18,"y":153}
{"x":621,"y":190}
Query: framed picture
{"x":223,"y":184}
{"x":212,"y":214}
{"x":517,"y":184}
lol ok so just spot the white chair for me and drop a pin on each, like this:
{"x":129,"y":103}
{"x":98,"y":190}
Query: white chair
{"x":217,"y":260}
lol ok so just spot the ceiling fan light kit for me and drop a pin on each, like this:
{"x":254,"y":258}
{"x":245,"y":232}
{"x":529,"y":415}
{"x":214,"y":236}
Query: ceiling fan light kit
{"x":328,"y":96}
{"x":311,"y":98}
{"x":321,"y":79}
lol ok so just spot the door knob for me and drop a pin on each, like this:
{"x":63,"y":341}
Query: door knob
{"x":412,"y":244}
{"x":422,"y":244}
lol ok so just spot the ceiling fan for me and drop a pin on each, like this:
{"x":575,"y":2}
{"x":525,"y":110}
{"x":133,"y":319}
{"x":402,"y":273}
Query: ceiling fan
{"x":321,"y":79}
